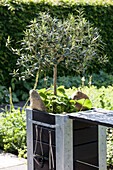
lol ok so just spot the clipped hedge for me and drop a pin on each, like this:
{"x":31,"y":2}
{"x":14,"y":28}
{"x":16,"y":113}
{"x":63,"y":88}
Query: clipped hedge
{"x":15,"y":15}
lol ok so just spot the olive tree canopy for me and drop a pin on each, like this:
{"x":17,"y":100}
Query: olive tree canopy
{"x":48,"y":41}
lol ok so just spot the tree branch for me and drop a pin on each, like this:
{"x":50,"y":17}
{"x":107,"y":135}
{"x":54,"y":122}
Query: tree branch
{"x":60,"y":59}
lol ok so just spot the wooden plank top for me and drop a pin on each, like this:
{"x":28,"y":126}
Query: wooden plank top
{"x":95,"y":116}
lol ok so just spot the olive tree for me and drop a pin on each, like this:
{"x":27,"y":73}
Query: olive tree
{"x":48,"y":41}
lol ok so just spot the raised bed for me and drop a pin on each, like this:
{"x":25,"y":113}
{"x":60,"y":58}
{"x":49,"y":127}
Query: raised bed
{"x":75,"y":141}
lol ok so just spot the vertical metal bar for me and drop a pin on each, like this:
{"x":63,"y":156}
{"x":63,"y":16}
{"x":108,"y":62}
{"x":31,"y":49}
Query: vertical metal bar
{"x":64,"y":143}
{"x":102,"y":147}
{"x":30,"y":164}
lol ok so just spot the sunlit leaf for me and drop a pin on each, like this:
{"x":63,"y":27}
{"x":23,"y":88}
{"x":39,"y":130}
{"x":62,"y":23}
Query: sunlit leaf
{"x":85,"y":103}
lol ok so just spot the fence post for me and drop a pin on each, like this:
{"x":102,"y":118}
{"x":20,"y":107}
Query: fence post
{"x":30,"y":163}
{"x":64,"y":143}
{"x":102,"y":147}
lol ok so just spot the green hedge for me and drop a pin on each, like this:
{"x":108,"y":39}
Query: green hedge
{"x":15,"y":15}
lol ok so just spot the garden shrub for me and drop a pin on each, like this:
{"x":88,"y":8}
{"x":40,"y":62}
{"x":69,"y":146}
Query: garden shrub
{"x":15,"y":15}
{"x":99,"y":80}
{"x":13,"y":131}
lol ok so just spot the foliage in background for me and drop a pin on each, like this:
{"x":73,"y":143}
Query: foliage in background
{"x":15,"y":15}
{"x":13,"y":131}
{"x":20,"y":89}
{"x":100,"y":98}
{"x":99,"y":80}
{"x":4,"y":95}
{"x":110,"y":147}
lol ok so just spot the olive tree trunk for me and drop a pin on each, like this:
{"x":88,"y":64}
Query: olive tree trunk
{"x":55,"y":79}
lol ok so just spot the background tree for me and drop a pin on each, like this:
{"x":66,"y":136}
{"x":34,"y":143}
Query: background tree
{"x":48,"y":41}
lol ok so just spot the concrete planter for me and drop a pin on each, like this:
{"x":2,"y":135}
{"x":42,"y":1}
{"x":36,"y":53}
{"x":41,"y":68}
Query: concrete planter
{"x":60,"y":142}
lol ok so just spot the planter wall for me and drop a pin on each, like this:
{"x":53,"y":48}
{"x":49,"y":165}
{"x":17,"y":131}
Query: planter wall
{"x":85,"y":146}
{"x":56,"y":142}
{"x":38,"y":139}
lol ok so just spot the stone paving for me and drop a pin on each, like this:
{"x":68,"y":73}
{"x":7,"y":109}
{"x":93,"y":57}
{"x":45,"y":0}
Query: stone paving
{"x":9,"y":161}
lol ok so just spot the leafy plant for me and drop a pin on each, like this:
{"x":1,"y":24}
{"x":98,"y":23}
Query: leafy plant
{"x":110,"y":147}
{"x":85,"y":103}
{"x":13,"y":131}
{"x":63,"y":102}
